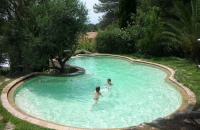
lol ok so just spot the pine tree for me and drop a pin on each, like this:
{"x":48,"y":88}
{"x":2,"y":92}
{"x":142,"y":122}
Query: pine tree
{"x":126,"y":9}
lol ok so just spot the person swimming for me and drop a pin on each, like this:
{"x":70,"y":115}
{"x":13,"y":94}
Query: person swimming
{"x":108,"y":84}
{"x":97,"y":94}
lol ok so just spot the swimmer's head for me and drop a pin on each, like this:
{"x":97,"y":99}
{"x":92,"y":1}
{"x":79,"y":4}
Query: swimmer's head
{"x":97,"y":89}
{"x":108,"y":80}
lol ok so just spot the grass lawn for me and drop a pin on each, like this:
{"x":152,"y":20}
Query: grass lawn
{"x":187,"y":73}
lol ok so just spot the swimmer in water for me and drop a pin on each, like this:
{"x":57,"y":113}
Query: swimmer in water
{"x":96,"y":95}
{"x":108,"y":84}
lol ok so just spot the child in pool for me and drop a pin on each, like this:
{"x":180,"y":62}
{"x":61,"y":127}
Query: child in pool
{"x":108,"y":84}
{"x":97,"y":94}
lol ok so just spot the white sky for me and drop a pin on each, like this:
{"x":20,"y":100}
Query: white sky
{"x":93,"y":17}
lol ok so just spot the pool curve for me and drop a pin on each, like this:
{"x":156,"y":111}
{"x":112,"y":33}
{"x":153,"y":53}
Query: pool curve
{"x":188,"y":101}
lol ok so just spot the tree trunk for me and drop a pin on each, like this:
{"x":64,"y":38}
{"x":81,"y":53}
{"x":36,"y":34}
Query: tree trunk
{"x":62,"y":67}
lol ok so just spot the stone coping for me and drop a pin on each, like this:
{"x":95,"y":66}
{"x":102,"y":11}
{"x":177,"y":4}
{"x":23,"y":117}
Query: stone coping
{"x":188,"y":102}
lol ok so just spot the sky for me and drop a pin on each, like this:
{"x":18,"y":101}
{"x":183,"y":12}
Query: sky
{"x":93,"y":17}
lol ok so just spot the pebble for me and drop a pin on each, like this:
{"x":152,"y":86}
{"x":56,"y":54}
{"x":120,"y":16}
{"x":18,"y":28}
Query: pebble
{"x":9,"y":126}
{"x":7,"y":79}
{"x":197,"y":121}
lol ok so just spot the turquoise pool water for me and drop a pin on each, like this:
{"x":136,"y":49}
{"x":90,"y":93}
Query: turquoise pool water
{"x":139,"y":94}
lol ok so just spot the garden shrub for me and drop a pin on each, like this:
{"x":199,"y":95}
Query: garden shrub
{"x":114,"y":41}
{"x":84,"y":43}
{"x":4,"y":72}
{"x":147,"y":30}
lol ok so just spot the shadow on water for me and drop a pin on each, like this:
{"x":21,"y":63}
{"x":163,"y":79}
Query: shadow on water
{"x":58,"y":88}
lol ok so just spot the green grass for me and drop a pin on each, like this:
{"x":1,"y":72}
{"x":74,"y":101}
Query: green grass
{"x":2,"y":125}
{"x":187,"y":73}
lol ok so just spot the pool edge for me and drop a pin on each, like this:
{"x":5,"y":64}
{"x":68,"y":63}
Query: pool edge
{"x":7,"y":105}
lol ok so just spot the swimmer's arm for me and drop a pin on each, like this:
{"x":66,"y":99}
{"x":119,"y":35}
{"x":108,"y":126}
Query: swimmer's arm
{"x":111,"y":84}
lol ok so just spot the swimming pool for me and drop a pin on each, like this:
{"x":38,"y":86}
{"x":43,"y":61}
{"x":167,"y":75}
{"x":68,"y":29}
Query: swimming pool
{"x":139,"y":94}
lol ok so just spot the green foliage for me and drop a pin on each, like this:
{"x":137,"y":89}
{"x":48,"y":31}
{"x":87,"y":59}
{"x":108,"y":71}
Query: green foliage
{"x":2,"y":125}
{"x":91,"y":27}
{"x":126,"y":9}
{"x":16,"y":31}
{"x":60,"y":32}
{"x":3,"y":55}
{"x":114,"y":40}
{"x":12,"y":43}
{"x":109,"y":8}
{"x":150,"y":41}
{"x":84,"y":43}
{"x":38,"y":34}
{"x":185,"y":29}
{"x":4,"y":72}
{"x":146,"y":28}
{"x":165,"y":5}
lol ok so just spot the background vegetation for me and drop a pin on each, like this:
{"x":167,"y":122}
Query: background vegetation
{"x":157,"y":28}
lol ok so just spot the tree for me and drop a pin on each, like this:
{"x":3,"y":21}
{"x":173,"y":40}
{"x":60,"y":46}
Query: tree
{"x":58,"y":34}
{"x":47,"y":30}
{"x":165,"y":5}
{"x":185,"y":29}
{"x":13,"y":14}
{"x":126,"y":9}
{"x":91,"y":27}
{"x":115,"y":40}
{"x":109,"y":7}
{"x":2,"y":59}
